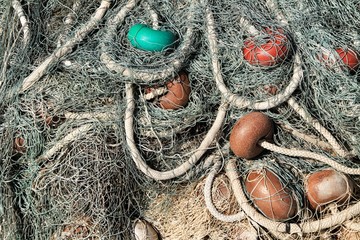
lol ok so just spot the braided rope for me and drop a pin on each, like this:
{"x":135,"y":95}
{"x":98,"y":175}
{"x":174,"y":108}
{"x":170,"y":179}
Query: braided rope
{"x":278,"y":14}
{"x":250,"y":211}
{"x":291,"y":228}
{"x":72,"y":136}
{"x":23,"y":20}
{"x":66,"y":48}
{"x":236,"y":100}
{"x":308,"y":154}
{"x":184,"y":167}
{"x":208,"y":199}
{"x":317,"y":125}
{"x":355,"y":226}
{"x":244,"y":23}
{"x":68,"y":22}
{"x":153,"y":15}
{"x":306,"y":137}
{"x":272,"y":101}
{"x":146,"y":75}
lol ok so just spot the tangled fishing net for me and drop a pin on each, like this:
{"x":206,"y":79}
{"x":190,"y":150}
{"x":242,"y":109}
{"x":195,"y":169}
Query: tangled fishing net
{"x":97,"y":143}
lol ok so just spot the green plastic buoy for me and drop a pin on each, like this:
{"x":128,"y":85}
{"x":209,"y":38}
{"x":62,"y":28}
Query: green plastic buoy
{"x":145,"y":38}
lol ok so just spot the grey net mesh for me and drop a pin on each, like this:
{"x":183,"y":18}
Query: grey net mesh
{"x":85,"y":152}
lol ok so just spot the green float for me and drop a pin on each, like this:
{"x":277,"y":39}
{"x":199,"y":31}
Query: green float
{"x":145,"y":38}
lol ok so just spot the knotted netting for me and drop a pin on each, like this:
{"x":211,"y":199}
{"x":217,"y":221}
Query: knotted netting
{"x":89,"y":143}
{"x":181,"y":18}
{"x":333,"y":89}
{"x":64,"y":138}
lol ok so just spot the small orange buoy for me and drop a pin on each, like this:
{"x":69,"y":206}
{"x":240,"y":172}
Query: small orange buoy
{"x":247,"y":132}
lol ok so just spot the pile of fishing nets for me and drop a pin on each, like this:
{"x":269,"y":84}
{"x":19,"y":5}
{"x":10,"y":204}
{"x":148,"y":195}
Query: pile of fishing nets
{"x":179,"y":119}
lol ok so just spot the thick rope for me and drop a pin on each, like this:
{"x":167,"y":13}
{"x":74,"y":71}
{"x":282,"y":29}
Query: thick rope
{"x":69,"y":138}
{"x":332,"y":57}
{"x":317,"y":125}
{"x":68,"y":22}
{"x":244,"y":23}
{"x":311,"y":155}
{"x":103,"y":116}
{"x":183,"y":168}
{"x":23,"y":20}
{"x":306,"y":137}
{"x":145,"y":75}
{"x":231,"y":172}
{"x":208,"y":198}
{"x":153,"y":15}
{"x":79,"y":35}
{"x":291,"y":228}
{"x":208,"y":162}
{"x":278,"y":14}
{"x":275,"y":100}
{"x":354,"y":226}
{"x":291,"y":101}
{"x":236,"y":100}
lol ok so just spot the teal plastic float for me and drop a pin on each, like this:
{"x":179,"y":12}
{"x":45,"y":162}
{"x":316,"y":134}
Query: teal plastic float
{"x":145,"y":38}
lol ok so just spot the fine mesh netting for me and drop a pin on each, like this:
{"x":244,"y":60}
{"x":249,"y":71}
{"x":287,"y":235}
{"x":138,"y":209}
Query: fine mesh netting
{"x":95,"y":137}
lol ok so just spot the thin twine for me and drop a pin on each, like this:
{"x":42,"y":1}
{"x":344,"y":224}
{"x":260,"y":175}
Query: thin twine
{"x":332,"y":56}
{"x":272,"y":101}
{"x":71,"y":137}
{"x":291,"y":101}
{"x":68,"y":22}
{"x":316,"y":124}
{"x":154,"y":16}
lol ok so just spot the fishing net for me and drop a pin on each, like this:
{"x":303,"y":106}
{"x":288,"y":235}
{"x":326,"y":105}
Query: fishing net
{"x":182,"y":215}
{"x":88,"y":145}
{"x":69,"y":172}
{"x":65,"y":173}
{"x":180,"y":17}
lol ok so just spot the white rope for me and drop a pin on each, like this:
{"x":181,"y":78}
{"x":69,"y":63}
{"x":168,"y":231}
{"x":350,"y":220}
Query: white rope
{"x":317,"y":125}
{"x":23,"y":20}
{"x":239,"y":101}
{"x":154,"y":16}
{"x":306,"y":137}
{"x":278,"y":14}
{"x":183,"y":168}
{"x":208,"y":161}
{"x":231,"y":172}
{"x":104,"y":116}
{"x":291,"y":228}
{"x":79,"y":35}
{"x":311,"y":155}
{"x":208,"y":198}
{"x":145,"y":75}
{"x":69,"y":138}
{"x":244,"y":23}
{"x":291,"y":101}
{"x":68,"y":22}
